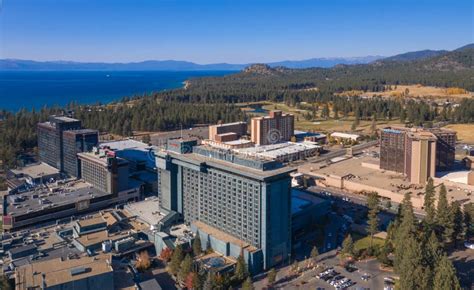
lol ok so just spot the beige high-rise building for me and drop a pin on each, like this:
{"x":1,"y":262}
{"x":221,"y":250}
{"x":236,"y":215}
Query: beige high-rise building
{"x":275,"y":128}
{"x":421,"y":156}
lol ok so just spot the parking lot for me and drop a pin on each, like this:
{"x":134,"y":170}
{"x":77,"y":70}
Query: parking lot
{"x":363,"y":275}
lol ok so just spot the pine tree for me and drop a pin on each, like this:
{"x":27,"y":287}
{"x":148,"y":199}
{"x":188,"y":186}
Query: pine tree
{"x":247,"y":285}
{"x":197,"y":248}
{"x":469,"y":219}
{"x":429,"y":202}
{"x":373,"y":221}
{"x":405,"y":230}
{"x":445,"y":277}
{"x":210,"y":282}
{"x":176,"y":259}
{"x":185,"y":267}
{"x":241,"y":270}
{"x":444,"y":217}
{"x":457,"y":222}
{"x":348,"y":246}
{"x":271,"y":276}
{"x":314,"y":253}
{"x":410,"y":265}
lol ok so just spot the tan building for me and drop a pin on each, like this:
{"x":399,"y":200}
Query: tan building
{"x":88,"y":273}
{"x":275,"y":128}
{"x":227,"y":131}
{"x":421,"y":156}
{"x":416,"y":152}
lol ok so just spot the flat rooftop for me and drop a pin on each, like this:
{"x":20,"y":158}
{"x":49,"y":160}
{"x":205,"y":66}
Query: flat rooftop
{"x":36,"y":170}
{"x":147,"y":210}
{"x":60,"y":271}
{"x":127,"y":144}
{"x":198,"y":159}
{"x":99,"y":237}
{"x":222,"y":236}
{"x":99,"y":158}
{"x":91,"y":221}
{"x":273,"y":151}
{"x":42,"y":198}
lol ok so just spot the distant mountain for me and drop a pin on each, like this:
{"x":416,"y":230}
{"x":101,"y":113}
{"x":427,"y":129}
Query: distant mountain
{"x":171,"y":65}
{"x":325,"y":62}
{"x":415,"y":55}
{"x":176,"y":65}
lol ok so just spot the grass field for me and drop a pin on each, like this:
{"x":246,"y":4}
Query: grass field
{"x":465,"y":132}
{"x":364,"y":243}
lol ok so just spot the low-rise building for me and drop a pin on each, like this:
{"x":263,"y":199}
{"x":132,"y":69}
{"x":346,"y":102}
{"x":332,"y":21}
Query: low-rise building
{"x":85,"y":273}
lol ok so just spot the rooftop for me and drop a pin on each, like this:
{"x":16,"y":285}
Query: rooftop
{"x":42,"y":198}
{"x":36,"y":170}
{"x":99,"y":237}
{"x":60,"y":271}
{"x":199,"y":159}
{"x":147,"y":210}
{"x":222,"y":236}
{"x":274,"y":151}
{"x":92,"y":221}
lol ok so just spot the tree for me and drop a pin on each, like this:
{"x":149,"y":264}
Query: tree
{"x":143,"y":261}
{"x":457,"y":222}
{"x":325,"y":111}
{"x":241,"y":270}
{"x":4,"y":283}
{"x":443,"y":216}
{"x":247,"y":285}
{"x":469,"y":219}
{"x":314,"y":253}
{"x":165,"y":254}
{"x":210,"y":282}
{"x":198,"y":281}
{"x":185,"y":267}
{"x":271,"y":276}
{"x":176,"y":259}
{"x":189,"y":281}
{"x":405,"y":230}
{"x":429,"y":202}
{"x":146,"y":139}
{"x":410,"y":266}
{"x":373,"y":126}
{"x":445,"y":277}
{"x":197,"y":248}
{"x":348,"y":246}
{"x":373,"y":221}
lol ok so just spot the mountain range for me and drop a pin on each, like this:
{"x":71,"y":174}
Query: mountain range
{"x":176,"y":65}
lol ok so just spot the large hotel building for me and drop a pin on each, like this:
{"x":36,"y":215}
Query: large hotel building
{"x":60,"y":139}
{"x":236,"y":204}
{"x":275,"y":128}
{"x":417,"y":153}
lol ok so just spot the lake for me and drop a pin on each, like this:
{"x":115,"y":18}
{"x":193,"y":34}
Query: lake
{"x":35,"y":89}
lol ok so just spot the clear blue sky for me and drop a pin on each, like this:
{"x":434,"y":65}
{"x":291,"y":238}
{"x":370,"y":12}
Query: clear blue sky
{"x":235,"y":31}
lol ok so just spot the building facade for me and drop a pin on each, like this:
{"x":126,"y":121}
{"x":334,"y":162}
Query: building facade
{"x":275,"y":128}
{"x":59,"y":141}
{"x":104,"y":170}
{"x":248,"y":199}
{"x":77,"y":141}
{"x":417,"y":153}
{"x":239,"y":128}
{"x":50,"y":139}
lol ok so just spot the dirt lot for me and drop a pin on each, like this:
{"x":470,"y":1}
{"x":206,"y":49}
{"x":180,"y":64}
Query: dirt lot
{"x":417,"y":91}
{"x":465,"y":132}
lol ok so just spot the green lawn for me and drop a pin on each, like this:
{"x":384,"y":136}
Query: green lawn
{"x":364,"y":243}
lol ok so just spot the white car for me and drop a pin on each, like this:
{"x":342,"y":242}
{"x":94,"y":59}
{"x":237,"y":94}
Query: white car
{"x":469,"y":245}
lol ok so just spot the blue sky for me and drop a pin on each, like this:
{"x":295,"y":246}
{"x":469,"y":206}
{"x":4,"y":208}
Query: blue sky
{"x":236,"y":31}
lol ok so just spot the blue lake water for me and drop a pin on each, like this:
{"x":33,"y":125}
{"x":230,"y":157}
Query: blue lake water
{"x":35,"y":89}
